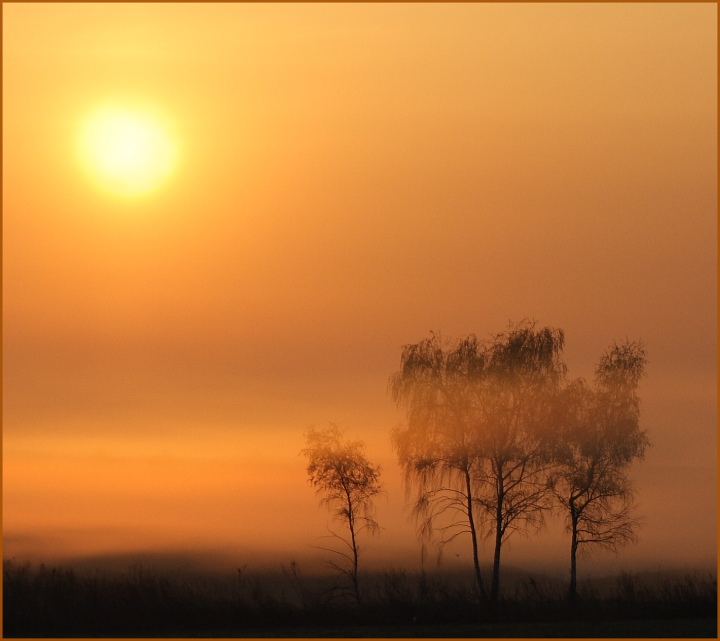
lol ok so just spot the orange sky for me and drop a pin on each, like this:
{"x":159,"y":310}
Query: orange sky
{"x":350,"y":177}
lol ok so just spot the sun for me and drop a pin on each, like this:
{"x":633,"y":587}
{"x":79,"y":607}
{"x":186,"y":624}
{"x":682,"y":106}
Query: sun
{"x":127,"y":150}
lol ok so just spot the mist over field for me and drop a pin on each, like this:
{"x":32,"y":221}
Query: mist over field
{"x":223,"y":226}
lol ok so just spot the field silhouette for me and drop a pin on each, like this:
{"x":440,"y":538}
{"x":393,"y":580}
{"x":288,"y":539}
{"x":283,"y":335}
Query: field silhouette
{"x":59,"y":601}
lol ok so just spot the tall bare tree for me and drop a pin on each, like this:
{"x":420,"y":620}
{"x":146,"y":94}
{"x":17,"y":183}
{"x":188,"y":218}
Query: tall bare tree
{"x":598,"y":437}
{"x":348,"y":482}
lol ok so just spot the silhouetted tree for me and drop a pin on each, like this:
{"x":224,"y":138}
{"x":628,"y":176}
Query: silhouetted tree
{"x":439,"y":449}
{"x":339,"y":470}
{"x":523,"y":374}
{"x":598,"y":438}
{"x":475,"y":443}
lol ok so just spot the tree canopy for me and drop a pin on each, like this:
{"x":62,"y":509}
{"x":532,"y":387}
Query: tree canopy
{"x":340,"y":472}
{"x":494,"y":432}
{"x":474,"y":444}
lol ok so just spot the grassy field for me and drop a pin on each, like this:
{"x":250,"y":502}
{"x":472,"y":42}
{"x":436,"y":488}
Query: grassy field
{"x":59,"y":602}
{"x":620,"y":629}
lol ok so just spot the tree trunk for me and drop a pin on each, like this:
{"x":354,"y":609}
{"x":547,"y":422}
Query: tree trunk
{"x":495,"y":585}
{"x":473,"y":533}
{"x":572,"y":590}
{"x":351,"y":525}
{"x":356,"y":586}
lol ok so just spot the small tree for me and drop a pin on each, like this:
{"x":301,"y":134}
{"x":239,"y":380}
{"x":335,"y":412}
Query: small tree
{"x":339,"y":471}
{"x":599,"y":437}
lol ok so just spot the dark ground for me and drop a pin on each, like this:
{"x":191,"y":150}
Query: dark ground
{"x":60,"y":602}
{"x":622,"y":629}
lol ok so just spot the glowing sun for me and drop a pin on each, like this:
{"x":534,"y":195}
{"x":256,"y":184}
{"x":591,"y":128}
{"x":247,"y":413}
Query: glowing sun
{"x":127,"y":150}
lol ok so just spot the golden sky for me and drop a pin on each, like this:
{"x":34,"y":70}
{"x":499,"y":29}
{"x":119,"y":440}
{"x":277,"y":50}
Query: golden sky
{"x":347,"y":178}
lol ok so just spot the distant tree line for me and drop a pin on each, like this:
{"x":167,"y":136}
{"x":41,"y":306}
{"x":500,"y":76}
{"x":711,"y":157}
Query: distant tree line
{"x":496,"y":436}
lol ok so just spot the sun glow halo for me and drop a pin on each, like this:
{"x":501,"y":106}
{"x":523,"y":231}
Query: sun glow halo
{"x":127,"y":150}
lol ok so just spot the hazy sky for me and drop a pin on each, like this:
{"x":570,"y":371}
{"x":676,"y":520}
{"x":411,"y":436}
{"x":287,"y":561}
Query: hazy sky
{"x":349,"y":178}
